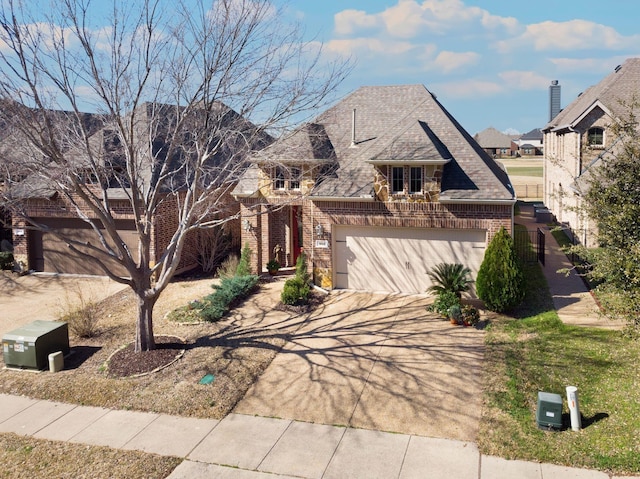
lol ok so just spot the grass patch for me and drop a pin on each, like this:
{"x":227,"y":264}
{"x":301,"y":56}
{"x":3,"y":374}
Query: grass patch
{"x":534,"y":171}
{"x":537,"y":352}
{"x":27,"y":457}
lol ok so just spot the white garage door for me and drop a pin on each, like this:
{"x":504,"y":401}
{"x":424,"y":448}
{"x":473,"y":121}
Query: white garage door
{"x":397,"y":259}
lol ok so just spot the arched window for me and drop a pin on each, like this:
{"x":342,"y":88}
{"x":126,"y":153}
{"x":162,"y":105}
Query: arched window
{"x":595,"y":136}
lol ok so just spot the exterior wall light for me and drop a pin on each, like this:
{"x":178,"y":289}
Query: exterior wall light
{"x":319,"y":230}
{"x":246,"y":225}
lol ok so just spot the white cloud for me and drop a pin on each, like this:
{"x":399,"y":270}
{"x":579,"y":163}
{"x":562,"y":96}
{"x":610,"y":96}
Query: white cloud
{"x":409,"y":18}
{"x":571,"y":35}
{"x":471,"y":88}
{"x":524,"y":80}
{"x":363,"y":46}
{"x":587,"y":65}
{"x":450,"y":61}
{"x":348,"y":22}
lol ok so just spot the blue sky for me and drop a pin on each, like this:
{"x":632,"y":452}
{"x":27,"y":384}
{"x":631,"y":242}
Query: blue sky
{"x":489,"y":62}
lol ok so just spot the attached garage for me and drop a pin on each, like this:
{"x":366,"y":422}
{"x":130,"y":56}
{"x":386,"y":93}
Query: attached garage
{"x":50,"y":254}
{"x":397,"y":259}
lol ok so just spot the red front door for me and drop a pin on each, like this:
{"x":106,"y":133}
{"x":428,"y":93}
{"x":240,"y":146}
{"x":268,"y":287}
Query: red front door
{"x":296,"y":232}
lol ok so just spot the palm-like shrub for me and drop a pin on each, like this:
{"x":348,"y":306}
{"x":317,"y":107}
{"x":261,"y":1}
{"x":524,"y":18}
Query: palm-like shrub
{"x":452,"y":277}
{"x":500,"y":282}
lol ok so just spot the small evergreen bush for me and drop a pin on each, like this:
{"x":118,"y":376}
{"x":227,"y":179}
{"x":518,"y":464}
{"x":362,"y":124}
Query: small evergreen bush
{"x":295,"y":292}
{"x":500,"y":281}
{"x":244,"y":267}
{"x":229,"y":291}
{"x":6,"y":260}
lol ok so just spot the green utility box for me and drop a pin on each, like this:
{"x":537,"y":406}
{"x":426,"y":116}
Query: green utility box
{"x":549,"y":414}
{"x":30,"y":346}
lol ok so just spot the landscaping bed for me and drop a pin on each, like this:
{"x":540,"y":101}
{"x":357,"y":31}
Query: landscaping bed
{"x":235,"y":350}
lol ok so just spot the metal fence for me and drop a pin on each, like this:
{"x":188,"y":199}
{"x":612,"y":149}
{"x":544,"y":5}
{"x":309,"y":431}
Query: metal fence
{"x":530,"y":245}
{"x":528,"y":191}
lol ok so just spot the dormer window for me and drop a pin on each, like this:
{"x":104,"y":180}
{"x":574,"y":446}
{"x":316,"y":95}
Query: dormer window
{"x":595,"y":137}
{"x":415,"y":180}
{"x":296,"y":173}
{"x":397,"y":179}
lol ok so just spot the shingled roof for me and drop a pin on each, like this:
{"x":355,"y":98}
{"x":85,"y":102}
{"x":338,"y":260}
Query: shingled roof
{"x":404,"y":123}
{"x":492,"y":138}
{"x":616,"y":89}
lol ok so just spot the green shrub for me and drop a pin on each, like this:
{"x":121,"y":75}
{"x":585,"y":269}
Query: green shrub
{"x":500,"y":282}
{"x":6,"y":260}
{"x":244,"y":268}
{"x":301,"y":268}
{"x":228,"y":292}
{"x":450,"y":277}
{"x":443,"y":303}
{"x":295,"y":292}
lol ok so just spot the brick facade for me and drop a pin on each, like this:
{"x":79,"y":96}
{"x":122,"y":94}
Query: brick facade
{"x":164,"y":225}
{"x":271,"y":228}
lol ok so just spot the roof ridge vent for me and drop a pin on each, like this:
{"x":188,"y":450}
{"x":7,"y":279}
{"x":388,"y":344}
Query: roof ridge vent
{"x":617,"y":69}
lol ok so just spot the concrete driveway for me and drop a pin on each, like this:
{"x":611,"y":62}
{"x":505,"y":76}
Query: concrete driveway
{"x":376,"y":362}
{"x":24,"y":299}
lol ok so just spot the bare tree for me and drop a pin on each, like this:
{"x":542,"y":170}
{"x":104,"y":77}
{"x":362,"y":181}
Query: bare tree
{"x":171,"y":87}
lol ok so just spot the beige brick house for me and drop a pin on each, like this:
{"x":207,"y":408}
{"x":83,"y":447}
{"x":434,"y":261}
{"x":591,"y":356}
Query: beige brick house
{"x":578,"y":138}
{"x":377,"y":190}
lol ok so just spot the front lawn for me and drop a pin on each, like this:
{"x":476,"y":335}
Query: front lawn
{"x":537,"y":352}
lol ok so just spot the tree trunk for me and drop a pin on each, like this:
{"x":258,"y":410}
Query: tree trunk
{"x":144,"y":324}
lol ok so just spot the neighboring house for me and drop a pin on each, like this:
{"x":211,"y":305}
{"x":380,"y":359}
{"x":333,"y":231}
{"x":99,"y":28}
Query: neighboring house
{"x":578,"y":137}
{"x":43,"y":249}
{"x":376,"y":190}
{"x":496,"y":143}
{"x":531,"y":143}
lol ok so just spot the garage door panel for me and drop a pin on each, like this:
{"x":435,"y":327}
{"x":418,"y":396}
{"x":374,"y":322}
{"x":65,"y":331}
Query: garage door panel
{"x":58,"y":258}
{"x":397,"y":259}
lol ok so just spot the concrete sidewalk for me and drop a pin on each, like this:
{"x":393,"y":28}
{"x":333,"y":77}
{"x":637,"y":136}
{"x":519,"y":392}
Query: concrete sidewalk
{"x":571,"y":298}
{"x":253,"y":447}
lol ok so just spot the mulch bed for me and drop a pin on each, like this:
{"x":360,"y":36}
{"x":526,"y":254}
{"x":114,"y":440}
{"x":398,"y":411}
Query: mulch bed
{"x":126,"y":362}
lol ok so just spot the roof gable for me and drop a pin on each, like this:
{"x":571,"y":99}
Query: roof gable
{"x":376,"y":124}
{"x":613,"y":91}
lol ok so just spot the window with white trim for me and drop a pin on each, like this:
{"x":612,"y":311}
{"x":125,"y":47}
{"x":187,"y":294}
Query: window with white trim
{"x":279,"y":177}
{"x":595,"y":137}
{"x":294,"y":183}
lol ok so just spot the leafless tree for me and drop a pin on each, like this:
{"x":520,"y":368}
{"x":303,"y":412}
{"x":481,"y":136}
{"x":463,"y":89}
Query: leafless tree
{"x":178,"y":92}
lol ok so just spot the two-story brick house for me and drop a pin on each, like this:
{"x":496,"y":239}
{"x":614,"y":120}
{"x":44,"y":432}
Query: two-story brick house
{"x":377,"y":190}
{"x":578,"y":138}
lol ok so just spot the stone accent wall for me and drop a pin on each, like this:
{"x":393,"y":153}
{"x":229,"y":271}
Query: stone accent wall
{"x":432,"y":178}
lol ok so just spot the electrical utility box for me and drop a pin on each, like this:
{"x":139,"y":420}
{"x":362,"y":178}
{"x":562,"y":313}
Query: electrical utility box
{"x":549,"y":413}
{"x":29,"y":346}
